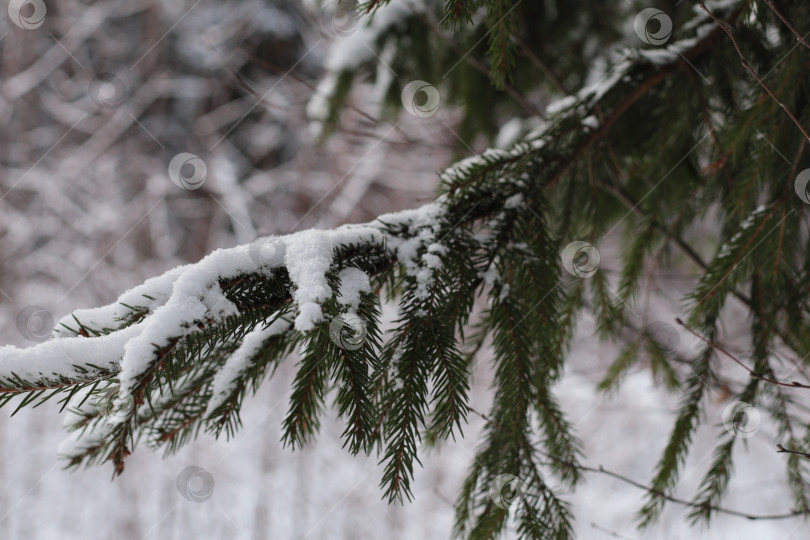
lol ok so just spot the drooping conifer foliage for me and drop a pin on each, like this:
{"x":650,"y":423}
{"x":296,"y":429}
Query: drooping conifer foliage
{"x":644,"y":119}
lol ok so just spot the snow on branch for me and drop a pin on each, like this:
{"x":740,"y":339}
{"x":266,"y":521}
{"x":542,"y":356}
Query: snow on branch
{"x":181,"y":350}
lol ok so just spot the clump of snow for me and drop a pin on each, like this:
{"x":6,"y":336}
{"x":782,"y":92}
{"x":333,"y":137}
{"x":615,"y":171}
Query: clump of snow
{"x":196,"y":296}
{"x":659,"y":56}
{"x":509,"y":133}
{"x":308,"y":258}
{"x":353,"y":282}
{"x":514,"y":201}
{"x":152,"y":293}
{"x":560,"y":105}
{"x":239,"y":362}
{"x":463,"y":167}
{"x":537,"y":144}
{"x":70,"y":357}
{"x":590,"y":122}
{"x":433,"y":257}
{"x":423,"y":224}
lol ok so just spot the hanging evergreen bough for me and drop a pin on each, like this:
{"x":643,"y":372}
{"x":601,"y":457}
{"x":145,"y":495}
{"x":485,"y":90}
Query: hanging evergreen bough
{"x":179,"y":353}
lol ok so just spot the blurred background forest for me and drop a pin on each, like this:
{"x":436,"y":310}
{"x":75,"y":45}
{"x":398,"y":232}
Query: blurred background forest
{"x":94,"y":105}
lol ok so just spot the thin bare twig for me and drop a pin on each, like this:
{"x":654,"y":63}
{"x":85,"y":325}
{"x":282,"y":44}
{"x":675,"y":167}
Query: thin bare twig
{"x":782,"y":450}
{"x":794,"y":384}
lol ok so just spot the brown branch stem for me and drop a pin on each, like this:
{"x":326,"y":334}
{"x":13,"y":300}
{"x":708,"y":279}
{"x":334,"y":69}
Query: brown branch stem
{"x":754,"y":374}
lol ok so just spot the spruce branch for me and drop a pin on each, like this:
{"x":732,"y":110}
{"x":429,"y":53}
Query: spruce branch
{"x":258,"y":296}
{"x":181,"y":353}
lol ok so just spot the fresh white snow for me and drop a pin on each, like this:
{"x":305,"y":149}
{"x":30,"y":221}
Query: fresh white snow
{"x":239,"y":362}
{"x":353,"y":282}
